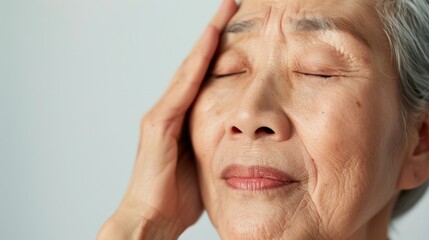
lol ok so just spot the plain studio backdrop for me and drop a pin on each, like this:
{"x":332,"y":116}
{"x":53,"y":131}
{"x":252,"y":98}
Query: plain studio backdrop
{"x":76,"y":76}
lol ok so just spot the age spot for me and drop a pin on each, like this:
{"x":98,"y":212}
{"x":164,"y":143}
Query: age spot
{"x":358,"y":104}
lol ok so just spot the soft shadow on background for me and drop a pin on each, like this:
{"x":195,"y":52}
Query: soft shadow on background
{"x":75,"y":78}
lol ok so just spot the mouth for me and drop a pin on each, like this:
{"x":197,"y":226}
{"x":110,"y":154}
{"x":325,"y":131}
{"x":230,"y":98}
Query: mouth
{"x":253,"y":178}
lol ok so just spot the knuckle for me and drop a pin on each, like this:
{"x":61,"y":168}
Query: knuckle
{"x":152,"y":124}
{"x":182,"y":77}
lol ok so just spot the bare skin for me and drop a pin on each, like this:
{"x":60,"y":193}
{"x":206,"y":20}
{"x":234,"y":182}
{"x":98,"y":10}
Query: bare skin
{"x":322,"y":106}
{"x":319,"y":103}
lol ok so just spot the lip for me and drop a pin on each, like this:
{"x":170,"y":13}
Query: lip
{"x":253,"y":178}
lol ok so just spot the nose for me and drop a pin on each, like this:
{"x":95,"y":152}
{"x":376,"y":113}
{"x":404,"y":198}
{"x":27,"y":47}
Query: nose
{"x":259,"y":115}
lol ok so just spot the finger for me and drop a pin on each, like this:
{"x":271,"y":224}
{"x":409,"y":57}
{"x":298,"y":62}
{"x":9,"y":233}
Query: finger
{"x":225,"y":12}
{"x":185,"y":85}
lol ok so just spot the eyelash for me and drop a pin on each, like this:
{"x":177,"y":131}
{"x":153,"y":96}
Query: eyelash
{"x":323,"y":76}
{"x":226,"y":75}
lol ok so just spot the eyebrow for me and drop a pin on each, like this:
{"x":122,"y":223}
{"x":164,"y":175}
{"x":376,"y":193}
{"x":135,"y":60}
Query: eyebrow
{"x":240,"y":27}
{"x":304,"y":25}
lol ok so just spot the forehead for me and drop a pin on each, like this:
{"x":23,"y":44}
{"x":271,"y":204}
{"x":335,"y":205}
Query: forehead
{"x":356,"y":17}
{"x":292,"y":7}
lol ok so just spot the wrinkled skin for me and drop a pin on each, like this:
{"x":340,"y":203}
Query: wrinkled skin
{"x":321,"y":106}
{"x":340,"y":137}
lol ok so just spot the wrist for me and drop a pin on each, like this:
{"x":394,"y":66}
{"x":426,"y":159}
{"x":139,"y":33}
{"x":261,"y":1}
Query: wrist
{"x":148,"y":225}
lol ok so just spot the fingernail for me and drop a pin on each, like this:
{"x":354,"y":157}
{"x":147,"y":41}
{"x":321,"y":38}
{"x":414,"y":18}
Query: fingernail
{"x":237,"y":2}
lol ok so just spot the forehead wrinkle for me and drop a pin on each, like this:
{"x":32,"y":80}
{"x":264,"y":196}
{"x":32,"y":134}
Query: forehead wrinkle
{"x":267,"y":17}
{"x":304,"y":24}
{"x":282,"y":35}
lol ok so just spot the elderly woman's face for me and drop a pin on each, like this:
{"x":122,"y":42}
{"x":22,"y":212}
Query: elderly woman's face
{"x":297,"y":132}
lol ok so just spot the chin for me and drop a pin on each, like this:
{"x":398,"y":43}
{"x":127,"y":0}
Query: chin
{"x":263,"y":224}
{"x":274,"y":213}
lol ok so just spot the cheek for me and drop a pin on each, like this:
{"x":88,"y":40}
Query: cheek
{"x":206,"y":127}
{"x":348,"y":135}
{"x":206,"y":118}
{"x":209,"y":112}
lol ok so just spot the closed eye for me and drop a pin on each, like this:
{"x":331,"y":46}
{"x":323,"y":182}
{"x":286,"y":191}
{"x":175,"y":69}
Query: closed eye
{"x":324,"y":76}
{"x":226,"y":75}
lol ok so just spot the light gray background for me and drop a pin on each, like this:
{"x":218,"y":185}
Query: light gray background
{"x":75,"y":78}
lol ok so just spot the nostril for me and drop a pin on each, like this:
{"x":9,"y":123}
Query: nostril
{"x":235,"y":130}
{"x":264,"y":130}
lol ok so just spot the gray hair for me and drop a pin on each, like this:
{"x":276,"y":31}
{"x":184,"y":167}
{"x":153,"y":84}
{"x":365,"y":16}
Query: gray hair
{"x":406,"y":23}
